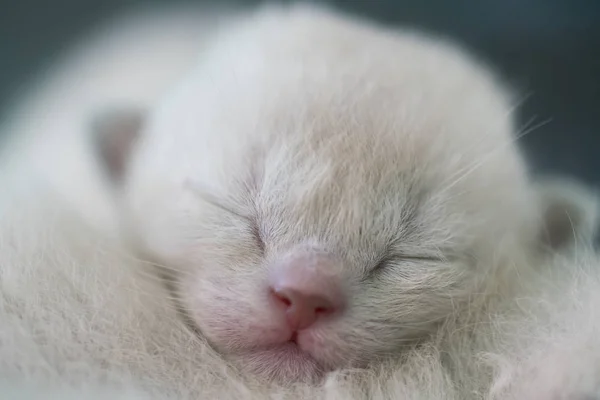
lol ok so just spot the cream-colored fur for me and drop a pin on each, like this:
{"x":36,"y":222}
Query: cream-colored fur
{"x":76,"y":319}
{"x":321,"y":111}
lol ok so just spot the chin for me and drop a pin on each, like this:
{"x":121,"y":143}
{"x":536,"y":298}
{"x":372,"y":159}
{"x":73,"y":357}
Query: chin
{"x":285,"y":363}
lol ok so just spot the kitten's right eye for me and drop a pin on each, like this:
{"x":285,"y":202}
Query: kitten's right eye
{"x":207,"y":196}
{"x":258,"y":236}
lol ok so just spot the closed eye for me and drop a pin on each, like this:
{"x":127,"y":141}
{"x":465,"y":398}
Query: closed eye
{"x":381,"y":264}
{"x":388,"y":260}
{"x":211,"y":199}
{"x":258,"y":236}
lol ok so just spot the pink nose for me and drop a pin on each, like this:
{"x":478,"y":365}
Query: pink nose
{"x":306,"y":286}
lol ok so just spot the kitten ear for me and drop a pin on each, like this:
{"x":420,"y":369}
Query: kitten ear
{"x":115,"y":133}
{"x":570,"y":213}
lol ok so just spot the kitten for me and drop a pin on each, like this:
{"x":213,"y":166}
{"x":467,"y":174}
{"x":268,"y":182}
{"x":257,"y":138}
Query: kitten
{"x":318,"y":194}
{"x":322,"y":192}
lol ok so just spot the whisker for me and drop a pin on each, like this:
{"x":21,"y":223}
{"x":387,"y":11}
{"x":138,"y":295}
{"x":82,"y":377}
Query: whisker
{"x":470,"y":168}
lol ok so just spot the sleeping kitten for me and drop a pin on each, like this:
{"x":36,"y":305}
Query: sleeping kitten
{"x":318,"y":194}
{"x":321,"y":192}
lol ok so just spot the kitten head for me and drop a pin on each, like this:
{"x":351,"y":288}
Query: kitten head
{"x":322,"y":192}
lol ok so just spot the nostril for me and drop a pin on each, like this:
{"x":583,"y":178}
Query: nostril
{"x":281,"y":297}
{"x":323,"y":310}
{"x":285,"y":301}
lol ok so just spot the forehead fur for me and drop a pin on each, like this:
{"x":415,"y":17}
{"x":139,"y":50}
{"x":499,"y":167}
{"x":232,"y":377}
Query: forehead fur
{"x":325,"y":123}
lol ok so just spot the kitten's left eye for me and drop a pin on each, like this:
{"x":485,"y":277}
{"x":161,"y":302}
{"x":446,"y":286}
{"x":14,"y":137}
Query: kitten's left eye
{"x":388,"y":260}
{"x":381,"y":264}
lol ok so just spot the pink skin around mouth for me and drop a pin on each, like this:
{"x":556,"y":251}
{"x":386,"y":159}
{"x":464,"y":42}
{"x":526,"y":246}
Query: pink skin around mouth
{"x":289,"y":359}
{"x":285,"y":363}
{"x":277,"y":352}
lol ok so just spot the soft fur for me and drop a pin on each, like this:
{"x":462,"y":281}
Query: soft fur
{"x":77,"y":319}
{"x":82,"y":311}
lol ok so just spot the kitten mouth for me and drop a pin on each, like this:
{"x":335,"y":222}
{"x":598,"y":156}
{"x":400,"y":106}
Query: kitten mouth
{"x":284,"y":363}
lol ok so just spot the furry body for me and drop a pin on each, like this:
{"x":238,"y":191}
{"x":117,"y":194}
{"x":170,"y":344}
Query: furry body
{"x":124,"y":331}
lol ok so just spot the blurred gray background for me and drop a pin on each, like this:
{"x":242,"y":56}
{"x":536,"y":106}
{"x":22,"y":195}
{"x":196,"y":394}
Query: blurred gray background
{"x":548,"y":48}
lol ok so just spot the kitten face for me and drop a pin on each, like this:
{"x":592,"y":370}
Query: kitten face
{"x":323,"y":193}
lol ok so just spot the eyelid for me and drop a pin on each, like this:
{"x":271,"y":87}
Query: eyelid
{"x":208,"y":197}
{"x":258,"y":235}
{"x":387,"y":259}
{"x":424,"y":258}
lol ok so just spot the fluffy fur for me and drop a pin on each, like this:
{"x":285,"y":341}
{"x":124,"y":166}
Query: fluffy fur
{"x":338,"y":127}
{"x":78,"y":320}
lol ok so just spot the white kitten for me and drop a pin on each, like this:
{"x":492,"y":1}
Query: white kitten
{"x":320,"y":193}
